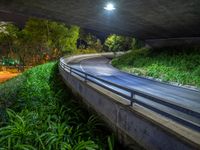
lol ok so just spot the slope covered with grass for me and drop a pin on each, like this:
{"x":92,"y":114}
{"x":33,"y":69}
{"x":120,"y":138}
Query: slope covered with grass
{"x":37,"y":112}
{"x":181,"y":66}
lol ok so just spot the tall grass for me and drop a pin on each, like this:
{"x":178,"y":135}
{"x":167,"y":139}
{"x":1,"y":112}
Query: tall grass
{"x":175,"y":65}
{"x":38,"y":113}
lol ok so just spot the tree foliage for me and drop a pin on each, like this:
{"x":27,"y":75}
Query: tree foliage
{"x":8,"y":36}
{"x":116,"y":43}
{"x":72,"y":37}
{"x":39,"y":41}
{"x":52,"y":35}
{"x":92,"y":42}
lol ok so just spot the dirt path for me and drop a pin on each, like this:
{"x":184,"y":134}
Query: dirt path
{"x":5,"y":75}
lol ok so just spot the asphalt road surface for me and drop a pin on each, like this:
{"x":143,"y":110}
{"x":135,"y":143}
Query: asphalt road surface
{"x":186,"y":98}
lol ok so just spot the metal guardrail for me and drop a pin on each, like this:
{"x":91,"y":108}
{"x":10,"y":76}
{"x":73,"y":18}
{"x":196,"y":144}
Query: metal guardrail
{"x":130,"y":95}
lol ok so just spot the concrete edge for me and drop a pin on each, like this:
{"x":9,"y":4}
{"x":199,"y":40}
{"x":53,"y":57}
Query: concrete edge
{"x":186,"y":134}
{"x":86,"y":56}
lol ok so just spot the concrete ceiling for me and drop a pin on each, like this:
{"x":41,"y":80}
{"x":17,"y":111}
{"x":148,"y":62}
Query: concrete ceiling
{"x":145,"y":19}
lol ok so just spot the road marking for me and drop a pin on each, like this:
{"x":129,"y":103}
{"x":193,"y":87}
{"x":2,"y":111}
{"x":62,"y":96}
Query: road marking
{"x":81,"y":67}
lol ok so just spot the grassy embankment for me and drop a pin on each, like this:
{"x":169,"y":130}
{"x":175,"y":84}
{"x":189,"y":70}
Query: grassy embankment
{"x":37,"y":112}
{"x":171,"y":65}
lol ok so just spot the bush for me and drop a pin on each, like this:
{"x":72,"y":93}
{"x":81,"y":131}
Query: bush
{"x":38,"y":113}
{"x":181,"y":66}
{"x":116,"y":43}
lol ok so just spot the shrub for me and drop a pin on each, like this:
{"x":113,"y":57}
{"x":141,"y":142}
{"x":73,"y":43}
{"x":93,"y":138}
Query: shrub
{"x":38,"y":113}
{"x":181,"y":66}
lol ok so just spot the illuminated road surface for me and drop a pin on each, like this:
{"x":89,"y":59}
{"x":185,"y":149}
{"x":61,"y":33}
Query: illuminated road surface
{"x":183,"y":97}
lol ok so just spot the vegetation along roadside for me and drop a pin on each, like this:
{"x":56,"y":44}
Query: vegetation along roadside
{"x":171,"y":65}
{"x":37,"y":112}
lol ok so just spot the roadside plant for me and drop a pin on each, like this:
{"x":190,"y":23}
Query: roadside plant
{"x":42,"y":115}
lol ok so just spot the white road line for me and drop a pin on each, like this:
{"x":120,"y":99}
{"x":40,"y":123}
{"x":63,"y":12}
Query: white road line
{"x":81,"y":67}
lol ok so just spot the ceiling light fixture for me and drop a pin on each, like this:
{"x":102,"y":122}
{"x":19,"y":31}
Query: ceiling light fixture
{"x":109,"y":7}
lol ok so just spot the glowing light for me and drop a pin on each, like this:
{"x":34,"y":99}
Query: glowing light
{"x":109,"y":7}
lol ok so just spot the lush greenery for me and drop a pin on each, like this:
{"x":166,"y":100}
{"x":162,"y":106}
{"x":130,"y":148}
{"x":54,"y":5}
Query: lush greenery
{"x":39,"y":41}
{"x":85,"y":51}
{"x":37,"y":112}
{"x":116,"y":43}
{"x":42,"y":40}
{"x":175,"y":65}
{"x":89,"y":41}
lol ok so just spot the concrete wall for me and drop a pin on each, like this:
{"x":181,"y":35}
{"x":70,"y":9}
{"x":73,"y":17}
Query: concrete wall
{"x":174,"y":42}
{"x":134,"y":123}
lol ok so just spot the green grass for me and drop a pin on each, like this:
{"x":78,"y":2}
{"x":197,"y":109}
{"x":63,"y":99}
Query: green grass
{"x":181,"y":66}
{"x":37,"y":112}
{"x":84,"y":51}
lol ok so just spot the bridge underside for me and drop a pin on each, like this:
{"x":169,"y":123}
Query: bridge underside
{"x":145,"y":19}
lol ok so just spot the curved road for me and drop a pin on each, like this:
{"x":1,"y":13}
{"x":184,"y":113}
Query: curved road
{"x":189,"y":99}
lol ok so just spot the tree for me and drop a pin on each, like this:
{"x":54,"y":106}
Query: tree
{"x":24,"y":49}
{"x":58,"y":34}
{"x":33,"y":41}
{"x":92,"y":41}
{"x":71,"y":39}
{"x":38,"y":41}
{"x":8,"y":36}
{"x":48,"y":38}
{"x":116,"y":43}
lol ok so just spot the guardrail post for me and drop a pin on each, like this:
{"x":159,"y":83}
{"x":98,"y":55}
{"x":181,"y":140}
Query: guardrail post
{"x":132,"y":98}
{"x":70,"y":70}
{"x":85,"y":77}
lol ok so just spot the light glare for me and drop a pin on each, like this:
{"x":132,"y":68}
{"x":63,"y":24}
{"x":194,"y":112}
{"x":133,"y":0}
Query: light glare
{"x":109,"y":7}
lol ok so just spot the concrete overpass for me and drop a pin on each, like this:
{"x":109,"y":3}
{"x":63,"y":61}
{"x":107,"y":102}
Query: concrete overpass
{"x":155,"y":21}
